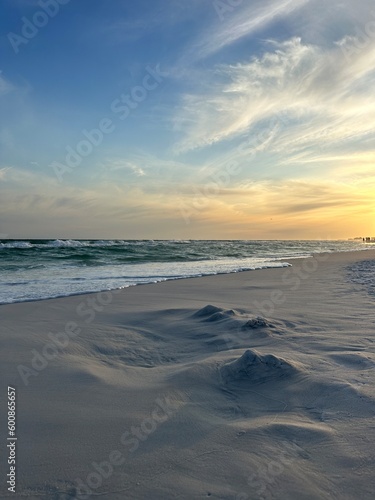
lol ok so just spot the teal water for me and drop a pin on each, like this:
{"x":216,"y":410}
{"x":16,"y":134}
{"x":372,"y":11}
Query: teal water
{"x":41,"y":269}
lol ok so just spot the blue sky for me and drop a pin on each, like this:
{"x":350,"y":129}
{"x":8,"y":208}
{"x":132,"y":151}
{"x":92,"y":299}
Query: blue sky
{"x":220,"y":119}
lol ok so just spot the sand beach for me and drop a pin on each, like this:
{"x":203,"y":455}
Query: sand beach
{"x":250,"y":385}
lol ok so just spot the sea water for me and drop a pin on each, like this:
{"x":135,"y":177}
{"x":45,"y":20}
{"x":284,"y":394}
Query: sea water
{"x":41,"y":269}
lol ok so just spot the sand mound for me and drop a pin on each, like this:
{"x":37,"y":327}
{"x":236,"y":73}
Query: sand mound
{"x":212,"y":314}
{"x":207,"y":311}
{"x":220,"y":316}
{"x":253,"y":366}
{"x":255,"y":323}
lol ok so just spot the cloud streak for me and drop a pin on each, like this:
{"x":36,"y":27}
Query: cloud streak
{"x":3,"y":172}
{"x":322,"y":98}
{"x":244,"y":21}
{"x":274,"y":87}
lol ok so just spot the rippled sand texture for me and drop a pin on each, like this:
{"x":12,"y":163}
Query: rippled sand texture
{"x":253,"y":385}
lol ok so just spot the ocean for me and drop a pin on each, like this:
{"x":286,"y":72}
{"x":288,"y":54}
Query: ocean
{"x":42,"y":269}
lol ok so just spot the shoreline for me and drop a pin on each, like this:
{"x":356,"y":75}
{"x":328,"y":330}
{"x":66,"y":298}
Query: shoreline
{"x":233,"y":386}
{"x":114,"y":290}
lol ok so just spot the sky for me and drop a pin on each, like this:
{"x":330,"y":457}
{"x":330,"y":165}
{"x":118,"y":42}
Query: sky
{"x":184,"y":119}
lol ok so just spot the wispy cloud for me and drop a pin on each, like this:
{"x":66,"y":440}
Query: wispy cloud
{"x":245,"y":20}
{"x":137,"y":170}
{"x":270,"y":207}
{"x":244,"y":209}
{"x":3,"y":172}
{"x":272,"y":76}
{"x":323,"y":97}
{"x":125,"y":166}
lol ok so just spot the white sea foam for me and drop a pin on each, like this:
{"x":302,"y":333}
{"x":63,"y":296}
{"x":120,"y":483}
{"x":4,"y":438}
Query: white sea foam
{"x":66,"y":267}
{"x":16,"y":244}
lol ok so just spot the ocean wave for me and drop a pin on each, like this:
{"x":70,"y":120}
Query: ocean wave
{"x":66,"y":243}
{"x":92,"y":243}
{"x":60,"y":243}
{"x":16,"y":244}
{"x":63,"y":286}
{"x":63,"y":267}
